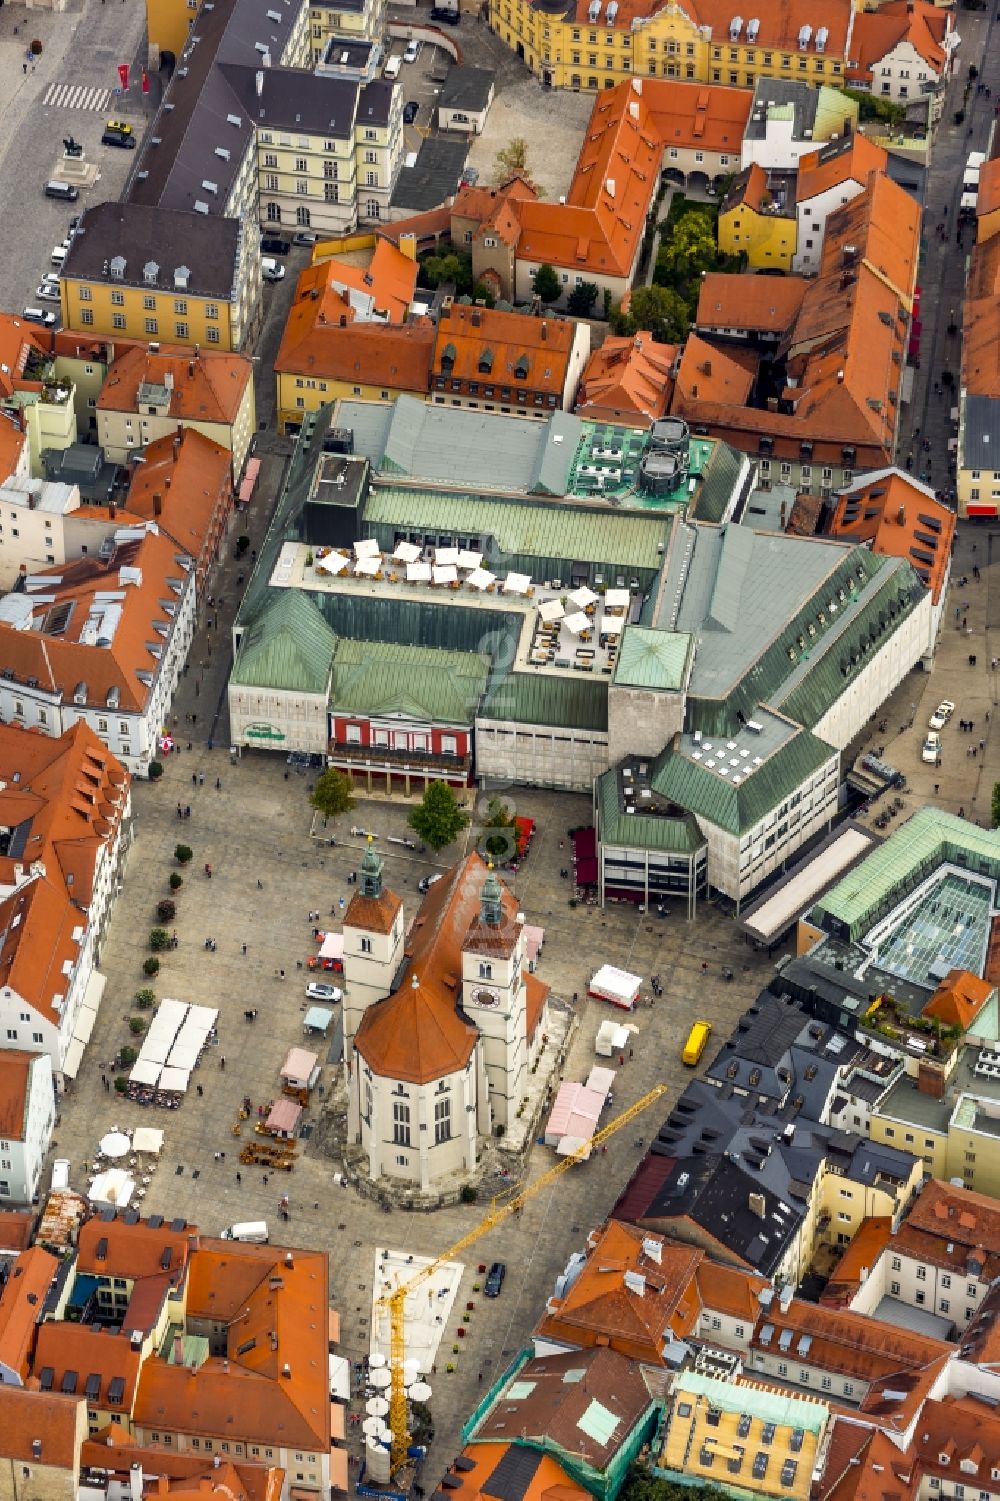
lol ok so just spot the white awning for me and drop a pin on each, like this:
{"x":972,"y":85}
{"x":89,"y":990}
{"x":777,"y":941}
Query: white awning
{"x":446,"y":557}
{"x":577,"y":623}
{"x":332,"y":946}
{"x":467,"y":559}
{"x":418,"y":573}
{"x":551,"y":610}
{"x":611,"y":625}
{"x":175,"y":1079}
{"x":406,"y":552}
{"x":334,"y":563}
{"x":367,"y":547}
{"x":85,"y":1019}
{"x":583,"y":597}
{"x":368,"y":566}
{"x":445,"y":573}
{"x":617,"y":599}
{"x":147,"y":1139}
{"x":144,"y":1071}
{"x":516,"y":583}
{"x":481,"y":578}
{"x":73,"y":1059}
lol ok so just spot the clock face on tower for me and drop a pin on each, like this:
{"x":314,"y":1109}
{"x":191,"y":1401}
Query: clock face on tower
{"x":487,"y":998}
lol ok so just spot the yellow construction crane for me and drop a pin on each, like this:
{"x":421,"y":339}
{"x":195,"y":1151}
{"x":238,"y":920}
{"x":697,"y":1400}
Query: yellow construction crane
{"x":500,"y":1209}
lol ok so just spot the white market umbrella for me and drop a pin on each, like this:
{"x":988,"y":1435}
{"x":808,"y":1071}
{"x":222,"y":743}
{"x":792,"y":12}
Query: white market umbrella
{"x":371,"y":1426}
{"x":420,"y":1392}
{"x":516,"y":583}
{"x":577,"y":623}
{"x":406,"y":552}
{"x":467,"y":559}
{"x":148,"y":1139}
{"x":447,"y":557}
{"x":481,"y":578}
{"x":334,"y":563}
{"x":115,"y":1144}
{"x":445,"y":573}
{"x":376,"y":1361}
{"x":418,"y":573}
{"x":376,"y":1407}
{"x":368,"y":567}
{"x":617,"y":599}
{"x":379,"y":1379}
{"x":611,"y":625}
{"x":583,"y":597}
{"x":411,"y":1363}
{"x":367,"y":547}
{"x":551,"y":610}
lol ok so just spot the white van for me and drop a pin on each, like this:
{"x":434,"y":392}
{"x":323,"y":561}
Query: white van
{"x":60,"y":1173}
{"x":254,"y":1232}
{"x":392,"y":67}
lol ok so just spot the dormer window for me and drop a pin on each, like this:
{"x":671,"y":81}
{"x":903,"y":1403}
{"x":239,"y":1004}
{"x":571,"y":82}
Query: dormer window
{"x":486,"y":362}
{"x":448,"y":359}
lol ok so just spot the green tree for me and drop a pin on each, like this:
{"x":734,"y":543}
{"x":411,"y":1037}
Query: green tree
{"x":511,"y":158}
{"x":685,"y":252}
{"x":582,"y":298}
{"x":499,"y":841}
{"x":159,"y":940}
{"x":449,"y":267}
{"x":437,"y":818}
{"x":183,"y":853}
{"x":483,"y":292}
{"x":145,"y":999}
{"x":332,"y":794}
{"x":660,"y":309}
{"x":545,"y":284}
{"x":995,"y":807}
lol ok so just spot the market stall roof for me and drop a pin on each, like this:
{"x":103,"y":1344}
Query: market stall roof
{"x":147,"y":1139}
{"x":533,"y":940}
{"x":332,"y":946}
{"x":551,"y":610}
{"x":283,"y":1116}
{"x":333,"y":563}
{"x":318,"y":1018}
{"x":175,"y":1079}
{"x":145,"y":1071}
{"x":299,"y":1063}
{"x":406,"y":552}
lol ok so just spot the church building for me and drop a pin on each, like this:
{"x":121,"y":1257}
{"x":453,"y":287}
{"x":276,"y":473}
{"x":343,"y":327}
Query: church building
{"x":441,"y":1023}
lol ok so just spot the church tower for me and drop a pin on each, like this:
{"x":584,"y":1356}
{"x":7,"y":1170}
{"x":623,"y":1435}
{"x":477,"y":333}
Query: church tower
{"x":494,"y":995}
{"x":373,"y":944}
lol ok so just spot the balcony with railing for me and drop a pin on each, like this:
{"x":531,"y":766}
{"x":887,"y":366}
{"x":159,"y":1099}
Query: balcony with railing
{"x":388,"y":758}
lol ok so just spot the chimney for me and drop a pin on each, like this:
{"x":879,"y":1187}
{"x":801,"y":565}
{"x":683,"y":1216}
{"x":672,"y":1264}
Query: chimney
{"x":135,"y":1479}
{"x":609,"y":187}
{"x":289,"y":1259}
{"x":286,"y":1370}
{"x":190,"y":368}
{"x":260,"y":82}
{"x":901,"y":516}
{"x":757,"y":1205}
{"x":477,"y":318}
{"x":930,"y":1081}
{"x":157,"y":503}
{"x":408,"y":245}
{"x":36,"y":1448}
{"x":178,"y":1349}
{"x":544,"y":330}
{"x":168,"y":481}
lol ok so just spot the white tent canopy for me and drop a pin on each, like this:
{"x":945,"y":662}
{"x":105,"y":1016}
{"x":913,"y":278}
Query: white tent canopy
{"x":617,"y":599}
{"x":334,"y":563}
{"x":583,"y":597}
{"x":577,"y":623}
{"x":115,"y":1144}
{"x":175,"y":1079}
{"x":516,"y":583}
{"x":115,"y":1186}
{"x":418,"y":573}
{"x":551,"y":610}
{"x":145,"y":1071}
{"x":446,"y":557}
{"x":445,"y":573}
{"x":367,"y":547}
{"x":406,"y":552}
{"x":332,"y":946}
{"x":611,"y":625}
{"x":148,"y":1139}
{"x":468,"y":559}
{"x":368,"y":566}
{"x":481,"y":578}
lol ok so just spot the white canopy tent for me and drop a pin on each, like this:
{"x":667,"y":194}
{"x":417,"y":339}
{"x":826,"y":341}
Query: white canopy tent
{"x":332,"y":946}
{"x":367,"y":567}
{"x":583,"y":597}
{"x":115,"y":1144}
{"x":468,"y":559}
{"x":183,"y":1056}
{"x":617,"y":599}
{"x":115,"y":1186}
{"x":406,"y":552}
{"x":551,"y":610}
{"x":418,"y":573}
{"x":516,"y":583}
{"x":367,"y":547}
{"x":612,"y":625}
{"x":577,"y":622}
{"x":145,"y":1071}
{"x":175,"y":1079}
{"x":148,"y":1139}
{"x":445,"y":573}
{"x":481,"y":578}
{"x":446,"y":557}
{"x":333,"y":563}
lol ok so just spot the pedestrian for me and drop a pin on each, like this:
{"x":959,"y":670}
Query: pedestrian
{"x":937,"y":788}
{"x":222,"y":1062}
{"x":265,"y":1180}
{"x":260,"y":884}
{"x":281,"y":974}
{"x":24,"y":68}
{"x":201,"y":779}
{"x":982,"y":745}
{"x":180,"y":811}
{"x":194,"y":779}
{"x":187,"y":811}
{"x":218,"y":784}
{"x":239,"y":1177}
{"x":244,"y":948}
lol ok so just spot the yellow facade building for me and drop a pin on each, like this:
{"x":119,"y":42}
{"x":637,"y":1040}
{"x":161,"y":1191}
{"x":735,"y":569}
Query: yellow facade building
{"x":595,"y":44}
{"x":742,"y":1435}
{"x":349,"y":18}
{"x":755,"y":222}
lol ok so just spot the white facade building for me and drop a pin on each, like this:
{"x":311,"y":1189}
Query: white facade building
{"x":29,"y":1114}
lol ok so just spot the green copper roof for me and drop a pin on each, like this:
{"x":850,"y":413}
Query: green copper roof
{"x":642,"y":831}
{"x":376,"y":677}
{"x":761,"y":1402}
{"x":930,"y":838}
{"x":288,"y":646}
{"x":653,"y":659}
{"x":537,"y":698}
{"x":717,"y":799}
{"x":719,"y":483}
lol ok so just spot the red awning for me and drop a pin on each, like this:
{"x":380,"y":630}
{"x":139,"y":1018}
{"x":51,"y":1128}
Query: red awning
{"x":974,"y":510}
{"x":585,"y":843}
{"x":586,"y":872}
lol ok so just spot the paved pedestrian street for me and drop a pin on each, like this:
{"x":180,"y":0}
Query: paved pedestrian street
{"x":257,"y":827}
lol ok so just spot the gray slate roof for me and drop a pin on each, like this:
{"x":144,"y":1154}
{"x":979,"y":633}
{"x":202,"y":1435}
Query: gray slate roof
{"x":433,"y":180}
{"x":981,"y":433}
{"x":467,"y":87}
{"x":143,"y":236}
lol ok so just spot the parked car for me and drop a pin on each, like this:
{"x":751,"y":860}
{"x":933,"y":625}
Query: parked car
{"x":931,"y":749}
{"x":39,"y":315}
{"x":410,"y":111}
{"x":414,"y":47}
{"x":47,"y":292}
{"x":270,"y":270}
{"x":942,"y":714}
{"x":426,"y":882}
{"x":306,"y":237}
{"x":274,"y":244}
{"x":444,"y":13}
{"x":118,"y":133}
{"x":62,"y":190}
{"x":494,"y":1279}
{"x":316,"y":990}
{"x":59,"y":253}
{"x":469,"y":177}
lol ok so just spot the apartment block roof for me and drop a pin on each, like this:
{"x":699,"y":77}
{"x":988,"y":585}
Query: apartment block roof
{"x":21,"y":1304}
{"x":182,"y":483}
{"x":179,"y":1476}
{"x":876,"y":33}
{"x":193,"y":387}
{"x":313,"y":104}
{"x":15,"y":1091}
{"x":628,"y":379}
{"x":899,"y":517}
{"x":362,"y":354}
{"x":957,"y":1441}
{"x":111,"y":1246}
{"x":101,"y":1363}
{"x":958,"y":1215}
{"x":851,"y":159}
{"x":64,"y":632}
{"x":513,"y":349}
{"x":55,"y":1423}
{"x":814,"y":113}
{"x":584,"y":1401}
{"x":158,"y":248}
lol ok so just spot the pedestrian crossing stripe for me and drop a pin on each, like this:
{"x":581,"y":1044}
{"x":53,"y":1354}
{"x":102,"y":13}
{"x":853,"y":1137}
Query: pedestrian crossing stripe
{"x":76,"y":96}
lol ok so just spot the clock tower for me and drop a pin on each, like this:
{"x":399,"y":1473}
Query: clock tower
{"x":373,"y":944}
{"x":494,"y":995}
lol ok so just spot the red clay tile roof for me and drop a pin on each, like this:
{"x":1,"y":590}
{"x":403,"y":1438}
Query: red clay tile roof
{"x":16,"y":1227}
{"x":900,"y":518}
{"x":851,"y":159}
{"x":877,"y":32}
{"x":75,"y":1352}
{"x":859,"y":1258}
{"x":628,"y":379}
{"x":960,"y":996}
{"x":390,"y":278}
{"x":375,"y":914}
{"x":172,"y":1475}
{"x":181,"y":484}
{"x":957,"y":1214}
{"x":364,"y":354}
{"x":112,"y":1248}
{"x":709,"y":373}
{"x":15,"y":1078}
{"x":21,"y":1309}
{"x":988,"y":197}
{"x":417,"y":1032}
{"x":511,"y":342}
{"x":207,"y":387}
{"x":765,"y":304}
{"x":958,"y":1440}
{"x":536,"y":1477}
{"x":54,"y":1421}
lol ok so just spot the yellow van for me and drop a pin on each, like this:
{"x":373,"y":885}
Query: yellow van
{"x":697,"y":1042}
